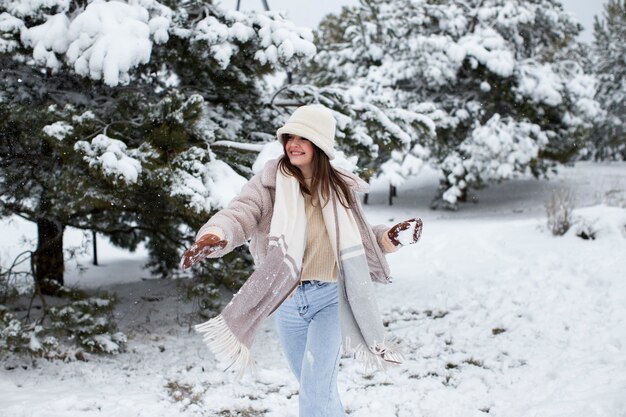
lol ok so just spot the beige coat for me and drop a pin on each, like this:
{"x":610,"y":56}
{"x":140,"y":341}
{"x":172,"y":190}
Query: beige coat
{"x":249,"y":215}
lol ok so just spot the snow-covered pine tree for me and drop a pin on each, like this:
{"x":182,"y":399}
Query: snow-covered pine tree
{"x":389,"y":141}
{"x":609,"y":136}
{"x":109,"y":111}
{"x":501,"y":80}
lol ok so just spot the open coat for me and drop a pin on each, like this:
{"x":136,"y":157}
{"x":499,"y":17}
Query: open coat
{"x":249,"y":216}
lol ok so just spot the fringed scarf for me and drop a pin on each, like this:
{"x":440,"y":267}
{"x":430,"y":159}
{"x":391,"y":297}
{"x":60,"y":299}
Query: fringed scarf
{"x":230,"y":334}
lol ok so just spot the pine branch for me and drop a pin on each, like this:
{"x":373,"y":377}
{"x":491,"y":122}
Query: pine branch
{"x":238,"y":145}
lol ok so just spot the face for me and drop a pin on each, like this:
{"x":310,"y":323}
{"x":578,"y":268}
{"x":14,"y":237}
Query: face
{"x":300,"y":152}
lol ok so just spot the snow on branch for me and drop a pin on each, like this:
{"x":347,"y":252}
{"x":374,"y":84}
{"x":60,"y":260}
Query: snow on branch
{"x":254,"y":147}
{"x":205,"y":182}
{"x":9,"y":25}
{"x":278,"y":41}
{"x":104,"y":41}
{"x":114,"y":159}
{"x":490,"y":49}
{"x":58,"y":130}
{"x":34,"y":8}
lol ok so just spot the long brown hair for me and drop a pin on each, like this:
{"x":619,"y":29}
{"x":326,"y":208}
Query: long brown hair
{"x":325,"y":177}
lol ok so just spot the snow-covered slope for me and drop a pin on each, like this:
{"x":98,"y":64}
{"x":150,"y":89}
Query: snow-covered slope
{"x":498,"y":317}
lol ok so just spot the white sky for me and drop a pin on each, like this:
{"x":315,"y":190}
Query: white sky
{"x":310,"y":12}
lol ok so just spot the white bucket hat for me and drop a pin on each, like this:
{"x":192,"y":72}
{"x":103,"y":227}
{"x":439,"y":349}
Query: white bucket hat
{"x":315,"y":123}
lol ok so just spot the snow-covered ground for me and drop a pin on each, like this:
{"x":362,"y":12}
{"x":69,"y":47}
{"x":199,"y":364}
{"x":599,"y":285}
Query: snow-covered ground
{"x":498,"y":318}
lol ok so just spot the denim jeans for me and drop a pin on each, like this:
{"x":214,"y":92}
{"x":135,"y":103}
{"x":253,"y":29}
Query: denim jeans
{"x":309,"y":332}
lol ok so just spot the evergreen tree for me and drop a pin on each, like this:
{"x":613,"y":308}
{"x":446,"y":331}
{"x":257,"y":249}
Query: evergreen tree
{"x":610,"y":65}
{"x":501,"y":80}
{"x":389,"y":140}
{"x":109,"y":111}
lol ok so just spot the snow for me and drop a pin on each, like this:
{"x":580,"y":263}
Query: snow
{"x":271,"y":150}
{"x":223,"y":184}
{"x":280,"y":40}
{"x":113,"y":157}
{"x":88,"y":115}
{"x":58,"y":130}
{"x":490,"y":49}
{"x":405,"y":237}
{"x":26,"y":8}
{"x":47,"y":39}
{"x":497,"y":316}
{"x":9,"y":24}
{"x":540,"y":83}
{"x":108,"y":39}
{"x":105,"y":41}
{"x":206,"y":182}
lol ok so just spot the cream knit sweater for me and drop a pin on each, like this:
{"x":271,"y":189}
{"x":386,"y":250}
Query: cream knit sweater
{"x":319,"y":261}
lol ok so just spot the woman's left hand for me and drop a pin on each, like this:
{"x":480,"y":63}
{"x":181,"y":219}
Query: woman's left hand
{"x":406,"y":232}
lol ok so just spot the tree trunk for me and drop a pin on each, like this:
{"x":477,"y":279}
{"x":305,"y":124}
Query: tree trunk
{"x":95,"y":248}
{"x":49,"y":255}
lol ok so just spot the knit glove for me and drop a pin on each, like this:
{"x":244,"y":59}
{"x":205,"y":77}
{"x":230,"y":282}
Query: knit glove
{"x":203,"y":247}
{"x":406,"y":232}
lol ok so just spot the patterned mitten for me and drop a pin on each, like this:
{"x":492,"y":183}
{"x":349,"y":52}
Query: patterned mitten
{"x":205,"y":246}
{"x":406,"y":232}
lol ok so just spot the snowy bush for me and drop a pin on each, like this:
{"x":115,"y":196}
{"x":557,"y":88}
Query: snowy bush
{"x":585,"y":230}
{"x":12,"y":335}
{"x":85,"y":322}
{"x":559,"y":209}
{"x":89,"y":322}
{"x":601,"y":221}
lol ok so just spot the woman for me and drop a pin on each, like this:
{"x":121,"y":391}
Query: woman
{"x":316,"y":258}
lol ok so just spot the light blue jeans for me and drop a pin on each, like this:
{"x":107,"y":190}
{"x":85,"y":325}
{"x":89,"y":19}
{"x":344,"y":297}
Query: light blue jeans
{"x":309,"y":332}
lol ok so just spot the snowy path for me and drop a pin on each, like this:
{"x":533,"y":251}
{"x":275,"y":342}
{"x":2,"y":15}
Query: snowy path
{"x":499,"y":318}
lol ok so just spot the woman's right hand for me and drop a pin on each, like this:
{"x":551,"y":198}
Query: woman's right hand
{"x":203,"y":247}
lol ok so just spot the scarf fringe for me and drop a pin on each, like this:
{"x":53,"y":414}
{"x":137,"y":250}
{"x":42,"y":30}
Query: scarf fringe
{"x":225,"y":345}
{"x":378,"y":356}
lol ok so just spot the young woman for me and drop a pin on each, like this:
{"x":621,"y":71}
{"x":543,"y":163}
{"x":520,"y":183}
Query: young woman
{"x":316,"y":258}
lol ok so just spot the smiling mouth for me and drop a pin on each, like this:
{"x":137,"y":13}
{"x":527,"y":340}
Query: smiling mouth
{"x":295,"y":153}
